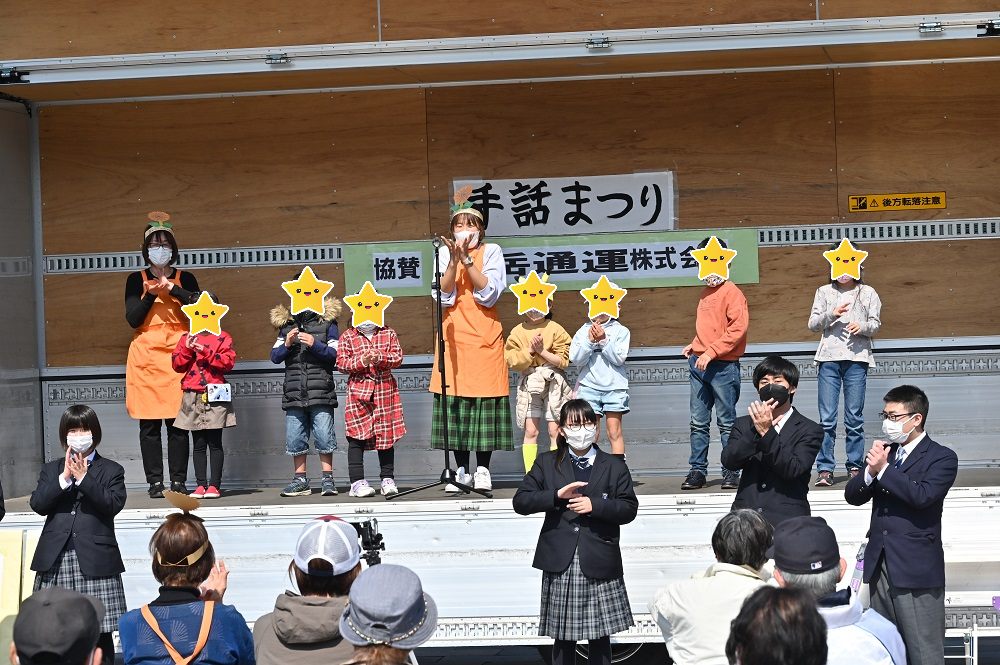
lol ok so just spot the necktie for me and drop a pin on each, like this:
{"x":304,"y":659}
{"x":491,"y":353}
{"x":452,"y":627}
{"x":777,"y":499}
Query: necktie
{"x":900,"y":456}
{"x":581,"y":463}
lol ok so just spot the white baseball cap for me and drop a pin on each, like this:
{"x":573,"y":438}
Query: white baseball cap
{"x":330,"y":539}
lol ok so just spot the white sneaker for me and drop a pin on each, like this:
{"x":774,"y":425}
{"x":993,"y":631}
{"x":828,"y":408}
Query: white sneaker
{"x":361,"y":489}
{"x":389,"y":487}
{"x":462,"y":477}
{"x":482,"y":479}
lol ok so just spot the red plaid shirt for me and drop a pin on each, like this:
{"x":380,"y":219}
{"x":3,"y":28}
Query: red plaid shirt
{"x":374,"y":412}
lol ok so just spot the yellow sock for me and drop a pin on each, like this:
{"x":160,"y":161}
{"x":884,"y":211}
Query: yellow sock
{"x":530,"y":452}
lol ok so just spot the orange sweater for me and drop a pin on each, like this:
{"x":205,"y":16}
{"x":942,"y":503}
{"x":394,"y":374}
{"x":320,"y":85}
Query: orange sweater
{"x":721,"y":323}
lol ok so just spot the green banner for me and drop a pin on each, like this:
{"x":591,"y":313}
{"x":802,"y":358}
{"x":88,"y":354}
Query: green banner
{"x":631,"y":260}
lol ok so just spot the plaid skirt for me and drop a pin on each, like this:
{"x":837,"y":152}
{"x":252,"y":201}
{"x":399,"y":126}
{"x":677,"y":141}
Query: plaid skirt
{"x":477,"y":423}
{"x":575,"y":607}
{"x":66,"y":573}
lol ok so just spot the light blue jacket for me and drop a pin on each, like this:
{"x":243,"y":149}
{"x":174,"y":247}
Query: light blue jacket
{"x":602,"y":365}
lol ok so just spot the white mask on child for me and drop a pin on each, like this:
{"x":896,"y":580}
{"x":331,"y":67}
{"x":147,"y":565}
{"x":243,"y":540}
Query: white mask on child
{"x":80,"y":443}
{"x":367,"y":328}
{"x":461,"y":236}
{"x":160,"y":256}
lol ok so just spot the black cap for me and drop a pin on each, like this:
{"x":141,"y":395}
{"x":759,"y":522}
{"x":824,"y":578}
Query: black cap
{"x":804,"y":545}
{"x":57,"y":625}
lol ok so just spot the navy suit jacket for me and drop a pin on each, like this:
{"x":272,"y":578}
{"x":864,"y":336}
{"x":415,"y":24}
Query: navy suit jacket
{"x":776,"y":467}
{"x":906,"y":515}
{"x":563,"y":531}
{"x":85,"y":511}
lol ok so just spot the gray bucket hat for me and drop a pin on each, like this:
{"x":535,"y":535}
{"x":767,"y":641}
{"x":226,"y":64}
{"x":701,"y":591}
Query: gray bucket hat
{"x":387,"y":605}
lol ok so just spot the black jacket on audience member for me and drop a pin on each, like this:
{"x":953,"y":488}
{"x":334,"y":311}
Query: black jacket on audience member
{"x":563,"y":531}
{"x":776,"y":467}
{"x":86,"y":512}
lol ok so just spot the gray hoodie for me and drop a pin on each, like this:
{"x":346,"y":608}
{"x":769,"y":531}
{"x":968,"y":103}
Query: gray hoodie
{"x":301,"y":629}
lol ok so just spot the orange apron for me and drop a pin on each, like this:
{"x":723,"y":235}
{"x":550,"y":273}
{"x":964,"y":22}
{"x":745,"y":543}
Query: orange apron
{"x":473,"y":343}
{"x":152,"y":387}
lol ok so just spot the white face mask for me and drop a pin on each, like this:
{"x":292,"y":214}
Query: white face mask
{"x":460,"y":237}
{"x":580,"y":439}
{"x":160,"y":256}
{"x":80,"y":443}
{"x":845,"y":279}
{"x":894,"y":430}
{"x":367,"y":328}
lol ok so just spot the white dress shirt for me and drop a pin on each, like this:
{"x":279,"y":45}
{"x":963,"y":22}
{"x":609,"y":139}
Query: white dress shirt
{"x":907,"y":450}
{"x":65,"y":484}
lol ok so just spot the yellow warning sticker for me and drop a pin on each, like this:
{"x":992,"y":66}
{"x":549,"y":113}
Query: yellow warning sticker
{"x":912,"y":201}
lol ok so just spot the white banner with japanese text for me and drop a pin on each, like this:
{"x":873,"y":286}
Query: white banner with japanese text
{"x":581,"y":204}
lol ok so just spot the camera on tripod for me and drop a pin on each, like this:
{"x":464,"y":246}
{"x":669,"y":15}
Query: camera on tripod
{"x":370,"y":540}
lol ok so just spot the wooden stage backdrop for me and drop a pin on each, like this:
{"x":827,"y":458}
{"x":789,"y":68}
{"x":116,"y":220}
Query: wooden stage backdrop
{"x":749,"y":150}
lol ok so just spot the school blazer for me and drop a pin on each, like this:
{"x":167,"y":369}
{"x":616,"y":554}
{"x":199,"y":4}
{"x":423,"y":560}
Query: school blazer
{"x":776,"y":467}
{"x":906,"y":515}
{"x":565,"y":532}
{"x":85,"y":511}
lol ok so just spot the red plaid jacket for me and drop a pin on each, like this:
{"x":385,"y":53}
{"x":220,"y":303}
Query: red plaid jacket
{"x":374,"y":412}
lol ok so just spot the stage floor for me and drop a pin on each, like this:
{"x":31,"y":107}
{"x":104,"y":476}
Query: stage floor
{"x":644,"y":485}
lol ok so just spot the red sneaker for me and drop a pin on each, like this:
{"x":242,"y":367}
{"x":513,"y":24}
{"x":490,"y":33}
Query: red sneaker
{"x":198,"y":493}
{"x":212,"y":492}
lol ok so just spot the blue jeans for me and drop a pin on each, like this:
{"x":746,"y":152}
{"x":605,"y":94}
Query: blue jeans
{"x":853,"y":376}
{"x":315,"y":420}
{"x":718,"y":386}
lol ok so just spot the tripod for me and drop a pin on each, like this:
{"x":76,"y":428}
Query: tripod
{"x":447,"y":475}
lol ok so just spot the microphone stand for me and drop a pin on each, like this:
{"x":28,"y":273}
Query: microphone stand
{"x":447,"y":475}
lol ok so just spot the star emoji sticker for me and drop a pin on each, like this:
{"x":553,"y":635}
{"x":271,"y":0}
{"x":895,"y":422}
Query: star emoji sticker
{"x":845,"y":260}
{"x":368,"y":305}
{"x":307,"y":292}
{"x":533,"y":293}
{"x":204,"y":315}
{"x":603,"y":297}
{"x":714,"y":259}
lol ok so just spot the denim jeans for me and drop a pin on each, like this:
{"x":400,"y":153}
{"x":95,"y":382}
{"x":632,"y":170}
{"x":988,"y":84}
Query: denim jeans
{"x":853,"y":376}
{"x":718,"y":386}
{"x":315,"y":420}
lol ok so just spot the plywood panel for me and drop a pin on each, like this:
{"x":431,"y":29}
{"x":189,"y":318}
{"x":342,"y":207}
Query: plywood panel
{"x":73,"y":28}
{"x":96,"y":333}
{"x":748,"y":150}
{"x":863,"y":8}
{"x":934,"y":49}
{"x":243,"y":171}
{"x":434,"y":19}
{"x":920,"y":128}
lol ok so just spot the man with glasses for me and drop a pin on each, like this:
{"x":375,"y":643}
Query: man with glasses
{"x":907,"y":478}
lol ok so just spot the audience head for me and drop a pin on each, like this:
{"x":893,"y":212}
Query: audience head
{"x":181,"y":551}
{"x":327,"y":557}
{"x":79,"y":428}
{"x":776,"y":378}
{"x":777,"y":627}
{"x":806,"y":556}
{"x":387,"y":614}
{"x":904,"y":415}
{"x":741,"y":538}
{"x":57,"y":626}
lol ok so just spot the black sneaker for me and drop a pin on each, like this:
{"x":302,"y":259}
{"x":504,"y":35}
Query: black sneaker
{"x":179,"y":487}
{"x":156,"y":490}
{"x":695,"y":480}
{"x":730,"y":480}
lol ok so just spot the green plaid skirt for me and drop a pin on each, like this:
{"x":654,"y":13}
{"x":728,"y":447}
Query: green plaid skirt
{"x":476,"y":423}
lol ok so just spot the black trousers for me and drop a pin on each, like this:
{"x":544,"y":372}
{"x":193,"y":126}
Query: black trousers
{"x":356,"y":460}
{"x":464,"y":458}
{"x":208,"y":442}
{"x":107,"y":643}
{"x":564,"y":652}
{"x":151,"y":447}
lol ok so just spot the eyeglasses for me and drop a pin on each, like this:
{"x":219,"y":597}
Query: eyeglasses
{"x":894,"y":417}
{"x":580,"y":428}
{"x":157,"y":246}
